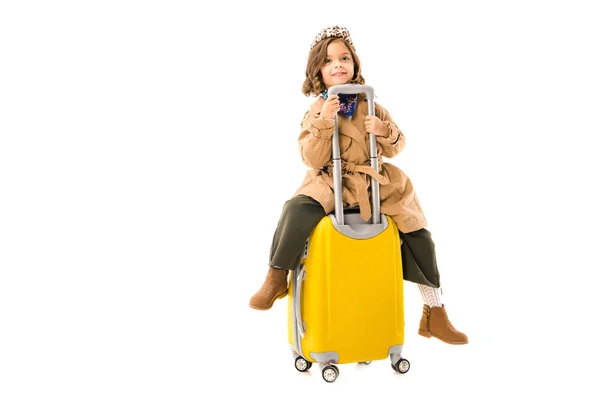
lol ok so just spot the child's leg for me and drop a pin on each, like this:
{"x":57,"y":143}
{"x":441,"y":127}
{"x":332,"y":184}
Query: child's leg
{"x":431,"y":296}
{"x":299,"y":217}
{"x":420,"y":266}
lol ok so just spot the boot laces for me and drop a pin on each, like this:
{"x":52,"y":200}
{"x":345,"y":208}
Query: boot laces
{"x":450,"y":326}
{"x":267,"y":290}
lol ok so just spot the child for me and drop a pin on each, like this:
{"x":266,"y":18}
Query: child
{"x":333,"y":61}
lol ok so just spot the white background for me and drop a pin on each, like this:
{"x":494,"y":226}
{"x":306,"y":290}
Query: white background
{"x":146,"y":149}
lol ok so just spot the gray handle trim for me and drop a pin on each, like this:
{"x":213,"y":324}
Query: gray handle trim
{"x":356,"y":228}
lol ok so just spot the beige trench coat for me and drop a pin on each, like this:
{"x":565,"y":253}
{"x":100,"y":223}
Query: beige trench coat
{"x":398,"y":197}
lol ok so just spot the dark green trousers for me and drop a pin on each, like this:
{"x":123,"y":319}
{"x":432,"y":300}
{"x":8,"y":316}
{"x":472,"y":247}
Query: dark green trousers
{"x":301,"y":214}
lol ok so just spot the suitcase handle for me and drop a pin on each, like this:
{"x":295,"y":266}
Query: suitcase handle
{"x":351,"y":88}
{"x":299,"y":278}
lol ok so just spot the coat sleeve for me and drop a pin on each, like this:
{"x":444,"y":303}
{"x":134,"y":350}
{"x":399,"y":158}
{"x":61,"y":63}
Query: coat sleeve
{"x":315,"y":138}
{"x":395,"y":142}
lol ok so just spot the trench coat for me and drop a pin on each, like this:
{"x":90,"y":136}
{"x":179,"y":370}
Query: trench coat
{"x":398,"y":197}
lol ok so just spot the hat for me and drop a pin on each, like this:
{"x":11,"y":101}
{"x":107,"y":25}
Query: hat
{"x":333,"y":31}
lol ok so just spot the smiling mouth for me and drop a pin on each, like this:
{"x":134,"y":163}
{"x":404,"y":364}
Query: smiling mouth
{"x":339,"y":74}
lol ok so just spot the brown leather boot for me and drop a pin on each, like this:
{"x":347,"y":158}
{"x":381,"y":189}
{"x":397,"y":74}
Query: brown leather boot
{"x":275,"y":287}
{"x":435,"y":322}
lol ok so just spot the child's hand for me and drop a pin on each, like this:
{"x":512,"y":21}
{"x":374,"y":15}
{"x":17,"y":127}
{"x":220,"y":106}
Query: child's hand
{"x":376,"y":126}
{"x":330,"y":107}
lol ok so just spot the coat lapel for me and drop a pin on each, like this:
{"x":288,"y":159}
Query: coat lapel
{"x":348,"y":128}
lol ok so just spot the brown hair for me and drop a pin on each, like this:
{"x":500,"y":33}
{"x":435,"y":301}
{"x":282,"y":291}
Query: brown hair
{"x":313,"y":84}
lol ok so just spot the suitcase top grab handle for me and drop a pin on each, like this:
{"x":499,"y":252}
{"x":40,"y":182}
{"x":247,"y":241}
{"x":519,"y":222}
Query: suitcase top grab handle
{"x":350,"y":88}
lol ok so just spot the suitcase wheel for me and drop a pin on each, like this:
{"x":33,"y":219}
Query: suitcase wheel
{"x":402,"y":366}
{"x":301,"y":364}
{"x":330,"y":373}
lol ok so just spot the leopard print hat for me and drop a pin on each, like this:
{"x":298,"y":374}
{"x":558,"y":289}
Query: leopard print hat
{"x":333,"y":31}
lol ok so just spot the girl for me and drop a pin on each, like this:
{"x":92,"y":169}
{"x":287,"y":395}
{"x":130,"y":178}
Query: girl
{"x":333,"y":61}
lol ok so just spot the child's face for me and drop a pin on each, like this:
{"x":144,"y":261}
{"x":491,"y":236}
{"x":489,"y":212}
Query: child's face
{"x":339,"y":66}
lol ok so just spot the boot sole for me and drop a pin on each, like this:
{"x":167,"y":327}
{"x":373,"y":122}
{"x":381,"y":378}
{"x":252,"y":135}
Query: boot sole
{"x":281,"y":296}
{"x":429,"y":334}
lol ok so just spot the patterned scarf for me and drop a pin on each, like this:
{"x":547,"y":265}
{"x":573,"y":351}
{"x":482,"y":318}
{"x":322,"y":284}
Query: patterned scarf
{"x":347,"y":103}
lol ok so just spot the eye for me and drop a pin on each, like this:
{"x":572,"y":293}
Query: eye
{"x":327,"y":61}
{"x":346,"y":58}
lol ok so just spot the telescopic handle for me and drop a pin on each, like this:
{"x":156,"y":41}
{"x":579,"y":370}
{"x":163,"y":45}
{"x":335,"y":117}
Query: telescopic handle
{"x":351,"y":88}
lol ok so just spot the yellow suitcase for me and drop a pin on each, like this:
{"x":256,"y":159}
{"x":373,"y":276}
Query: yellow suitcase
{"x":346,"y":298}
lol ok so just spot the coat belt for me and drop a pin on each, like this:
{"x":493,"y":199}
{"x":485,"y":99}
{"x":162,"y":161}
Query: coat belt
{"x":349,"y":171}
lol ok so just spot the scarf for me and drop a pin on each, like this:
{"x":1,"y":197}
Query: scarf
{"x":347,"y":103}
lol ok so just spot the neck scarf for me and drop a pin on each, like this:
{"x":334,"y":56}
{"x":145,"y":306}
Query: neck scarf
{"x":347,"y":103}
